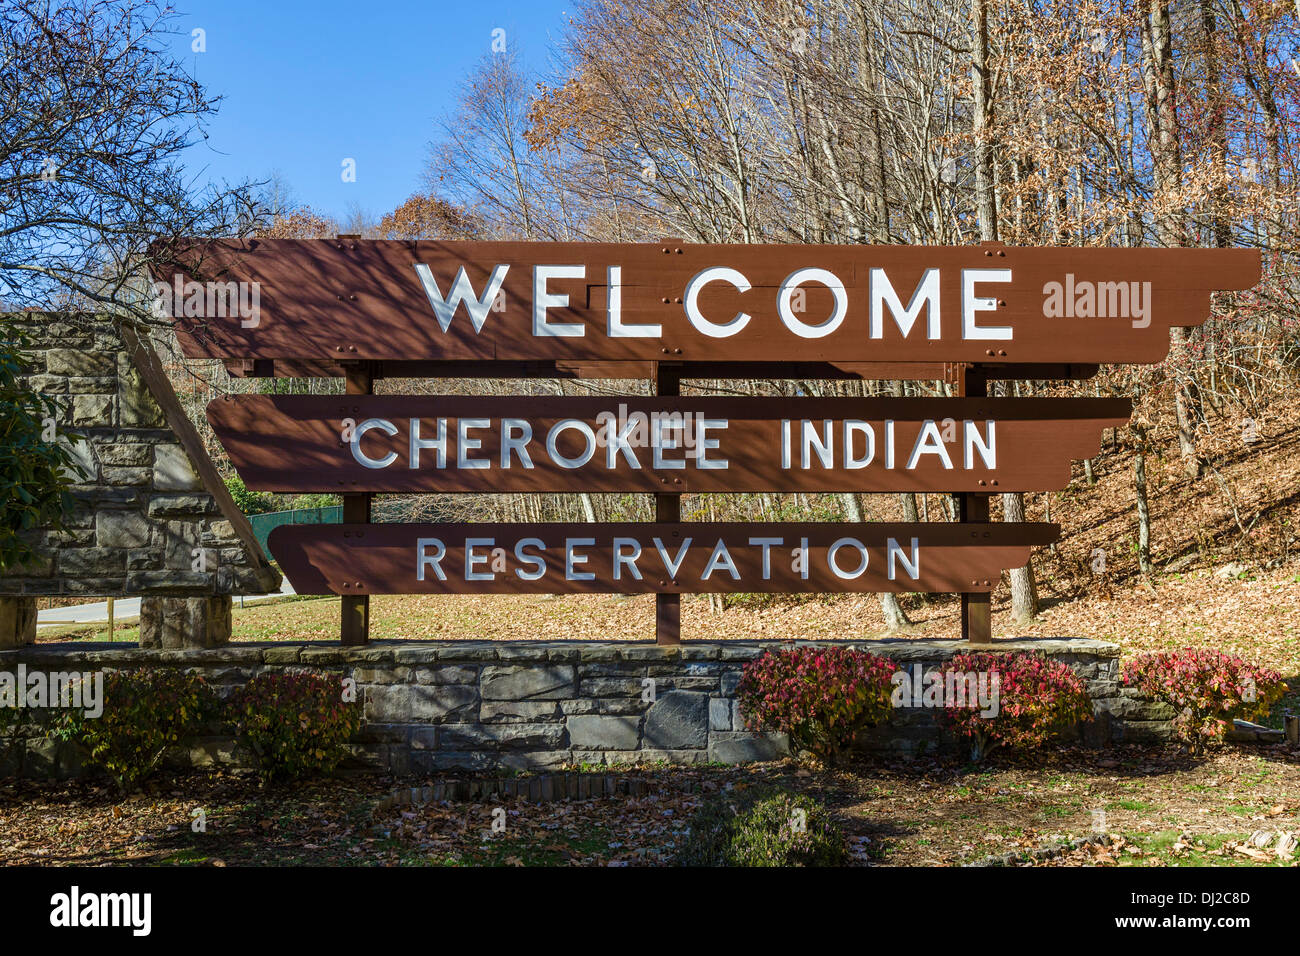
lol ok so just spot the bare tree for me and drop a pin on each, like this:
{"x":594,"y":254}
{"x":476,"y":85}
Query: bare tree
{"x":94,"y":114}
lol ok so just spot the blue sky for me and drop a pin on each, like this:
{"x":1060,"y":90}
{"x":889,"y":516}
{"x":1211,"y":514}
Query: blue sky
{"x":309,"y":84}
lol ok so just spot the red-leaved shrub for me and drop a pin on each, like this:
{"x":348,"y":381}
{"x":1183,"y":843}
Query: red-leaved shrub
{"x":1034,"y":695}
{"x":820,"y":696}
{"x":295,"y":724}
{"x":1208,"y":688}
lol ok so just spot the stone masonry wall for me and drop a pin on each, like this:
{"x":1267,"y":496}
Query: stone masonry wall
{"x":142,"y":500}
{"x":488,"y":705}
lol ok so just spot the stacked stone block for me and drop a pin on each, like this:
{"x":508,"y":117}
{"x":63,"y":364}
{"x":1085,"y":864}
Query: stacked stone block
{"x":141,"y":506}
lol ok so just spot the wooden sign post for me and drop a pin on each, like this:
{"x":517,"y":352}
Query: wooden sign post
{"x":668,"y":508}
{"x":670,"y":311}
{"x":355,"y":624}
{"x":973,"y":507}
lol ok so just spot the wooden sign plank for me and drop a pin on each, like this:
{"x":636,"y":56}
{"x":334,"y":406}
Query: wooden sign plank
{"x":416,"y":368}
{"x":868,"y":371}
{"x":666,"y":558}
{"x":485,"y":444}
{"x":330,"y":300}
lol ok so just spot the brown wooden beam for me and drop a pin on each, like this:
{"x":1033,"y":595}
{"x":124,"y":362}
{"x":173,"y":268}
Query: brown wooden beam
{"x":489,"y":369}
{"x":146,"y":362}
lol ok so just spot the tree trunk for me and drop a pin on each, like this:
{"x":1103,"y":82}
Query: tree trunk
{"x":981,"y":122}
{"x":1024,"y":594}
{"x":912,"y":514}
{"x":1166,"y":157}
{"x":1217,"y":112}
{"x":1024,"y":591}
{"x":1143,"y":509}
{"x":1184,"y":403}
{"x":895,"y":617}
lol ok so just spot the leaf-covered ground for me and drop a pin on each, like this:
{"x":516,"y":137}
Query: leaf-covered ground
{"x":1159,"y":807}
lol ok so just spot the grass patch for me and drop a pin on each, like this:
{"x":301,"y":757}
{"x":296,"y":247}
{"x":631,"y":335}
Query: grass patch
{"x":506,"y":850}
{"x":1208,"y":850}
{"x":1138,"y":806}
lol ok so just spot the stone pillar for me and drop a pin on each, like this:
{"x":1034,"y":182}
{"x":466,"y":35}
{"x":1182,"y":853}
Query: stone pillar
{"x":17,"y":621}
{"x":184,"y":623}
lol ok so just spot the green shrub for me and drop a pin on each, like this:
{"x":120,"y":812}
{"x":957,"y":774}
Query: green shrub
{"x":34,"y":465}
{"x":820,"y":696}
{"x":763,"y":827}
{"x":146,"y":713}
{"x":316,"y":500}
{"x":250,"y":502}
{"x":295,"y":724}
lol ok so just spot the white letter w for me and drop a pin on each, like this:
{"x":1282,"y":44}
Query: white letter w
{"x":461,"y":291}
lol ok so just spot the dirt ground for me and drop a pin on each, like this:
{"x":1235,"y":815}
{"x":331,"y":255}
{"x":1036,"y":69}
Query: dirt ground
{"x":1158,"y":806}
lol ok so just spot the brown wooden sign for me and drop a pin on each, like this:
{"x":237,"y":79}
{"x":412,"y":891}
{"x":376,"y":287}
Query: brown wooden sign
{"x":363,"y":559}
{"x":347,"y":299}
{"x":485,"y":444}
{"x":668,"y":311}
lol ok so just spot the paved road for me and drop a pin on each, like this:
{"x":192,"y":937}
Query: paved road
{"x":123,"y":609}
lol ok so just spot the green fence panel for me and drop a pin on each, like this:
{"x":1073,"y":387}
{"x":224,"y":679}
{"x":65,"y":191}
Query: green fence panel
{"x":263,"y":523}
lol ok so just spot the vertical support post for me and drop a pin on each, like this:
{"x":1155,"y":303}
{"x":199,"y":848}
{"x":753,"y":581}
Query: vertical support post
{"x":110,"y":619}
{"x":17,"y":621}
{"x":355,"y":624}
{"x":185,"y":623}
{"x":976,"y":608}
{"x":668,"y":507}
